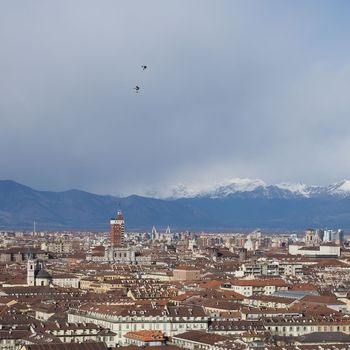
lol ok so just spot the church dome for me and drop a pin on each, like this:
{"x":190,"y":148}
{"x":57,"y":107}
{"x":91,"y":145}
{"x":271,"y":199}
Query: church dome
{"x":43,"y":274}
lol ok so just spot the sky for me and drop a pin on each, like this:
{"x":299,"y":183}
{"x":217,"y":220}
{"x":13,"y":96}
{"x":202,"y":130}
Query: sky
{"x":233,"y":89}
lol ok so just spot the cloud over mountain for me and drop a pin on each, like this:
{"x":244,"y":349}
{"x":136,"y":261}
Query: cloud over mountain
{"x":237,"y":88}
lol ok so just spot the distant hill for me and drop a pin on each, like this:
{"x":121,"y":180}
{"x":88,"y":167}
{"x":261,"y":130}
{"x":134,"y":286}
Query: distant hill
{"x":266,"y":207}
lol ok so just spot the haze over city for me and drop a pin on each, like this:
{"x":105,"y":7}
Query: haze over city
{"x":233,"y":89}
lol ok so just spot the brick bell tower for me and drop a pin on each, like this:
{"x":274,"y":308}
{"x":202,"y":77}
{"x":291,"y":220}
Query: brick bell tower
{"x":116,"y":232}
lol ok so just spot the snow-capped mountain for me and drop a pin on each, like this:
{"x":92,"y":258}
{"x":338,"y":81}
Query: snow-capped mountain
{"x":183,"y":191}
{"x":298,"y":188}
{"x":340,"y":189}
{"x":221,"y":189}
{"x":254,"y":188}
{"x":234,"y":186}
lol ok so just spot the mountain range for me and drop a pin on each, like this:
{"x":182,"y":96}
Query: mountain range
{"x":234,"y":205}
{"x":257,"y":187}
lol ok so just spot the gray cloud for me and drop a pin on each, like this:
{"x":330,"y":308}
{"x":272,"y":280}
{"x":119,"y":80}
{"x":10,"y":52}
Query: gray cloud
{"x":234,"y":89}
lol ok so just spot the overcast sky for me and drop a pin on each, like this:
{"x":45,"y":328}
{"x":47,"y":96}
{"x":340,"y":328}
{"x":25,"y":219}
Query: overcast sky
{"x":251,"y":89}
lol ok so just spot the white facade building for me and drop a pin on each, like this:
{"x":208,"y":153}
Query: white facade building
{"x":121,"y":320}
{"x":322,"y":251}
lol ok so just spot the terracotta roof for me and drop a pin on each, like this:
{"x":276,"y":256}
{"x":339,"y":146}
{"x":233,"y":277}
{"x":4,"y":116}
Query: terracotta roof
{"x":187,"y":268}
{"x":213,"y":284}
{"x":201,"y":337}
{"x":303,"y":286}
{"x":222,"y":305}
{"x":145,"y":336}
{"x":340,"y":346}
{"x":67,"y":346}
{"x":321,"y":299}
{"x":260,"y":282}
{"x":156,"y":347}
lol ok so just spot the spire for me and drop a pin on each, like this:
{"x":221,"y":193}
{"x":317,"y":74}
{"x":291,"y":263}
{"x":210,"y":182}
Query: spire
{"x":119,"y":215}
{"x":30,"y":253}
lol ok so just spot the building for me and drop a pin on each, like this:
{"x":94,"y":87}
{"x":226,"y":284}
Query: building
{"x":38,"y":276}
{"x":334,"y":236}
{"x":117,"y":251}
{"x":170,"y":320}
{"x":36,"y":273}
{"x":296,"y":326}
{"x":120,"y":255}
{"x":186,"y":273}
{"x":321,"y":251}
{"x":193,"y":340}
{"x":63,"y":245}
{"x":256,"y":286}
{"x":116,"y":231}
{"x":19,"y":254}
{"x":312,"y":237}
{"x":66,"y":280}
{"x":270,"y":268}
{"x":145,"y":338}
{"x":315,"y":237}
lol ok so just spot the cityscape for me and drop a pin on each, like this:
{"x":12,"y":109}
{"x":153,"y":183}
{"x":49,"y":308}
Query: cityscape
{"x":164,"y":289}
{"x":174,"y":175}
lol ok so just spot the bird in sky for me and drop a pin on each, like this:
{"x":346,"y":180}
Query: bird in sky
{"x":144,"y":67}
{"x":136,"y":88}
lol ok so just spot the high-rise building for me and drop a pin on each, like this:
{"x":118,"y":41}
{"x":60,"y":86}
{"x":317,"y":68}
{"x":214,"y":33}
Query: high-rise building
{"x":339,"y":237}
{"x":328,"y":236}
{"x":116,"y":231}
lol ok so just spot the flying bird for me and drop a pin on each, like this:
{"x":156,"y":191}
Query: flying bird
{"x":144,"y":67}
{"x":136,"y":88}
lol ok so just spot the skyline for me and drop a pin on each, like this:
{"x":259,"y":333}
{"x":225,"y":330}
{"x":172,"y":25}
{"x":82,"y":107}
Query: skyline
{"x":251,"y":89}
